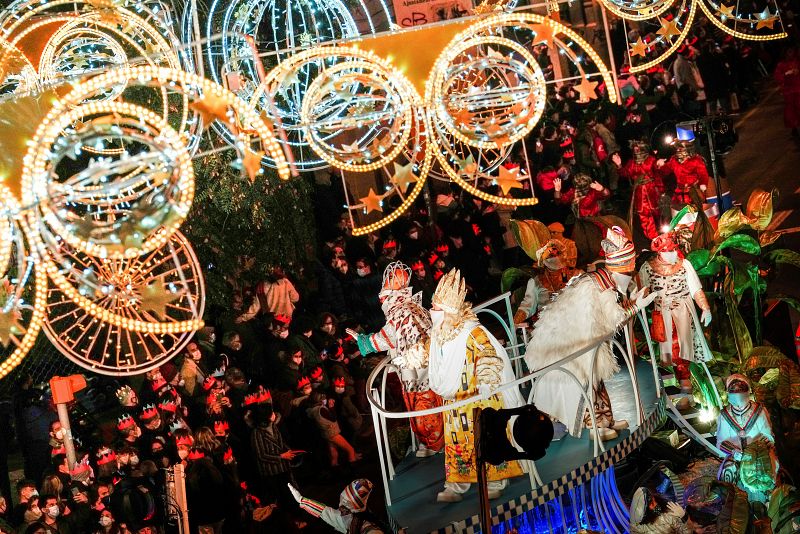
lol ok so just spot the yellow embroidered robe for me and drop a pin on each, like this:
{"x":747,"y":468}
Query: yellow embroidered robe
{"x":460,"y":465}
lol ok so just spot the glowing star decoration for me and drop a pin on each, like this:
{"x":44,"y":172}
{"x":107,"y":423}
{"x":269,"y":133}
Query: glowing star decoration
{"x":403,"y":176}
{"x":155,"y":297}
{"x":586,"y":90}
{"x":9,"y":325}
{"x":467,"y":165}
{"x":765,"y":19}
{"x":372,"y":202}
{"x":211,"y":108}
{"x":508,"y":179}
{"x":463,"y":117}
{"x":639,"y":48}
{"x":726,"y":11}
{"x":544,"y":34}
{"x":669,"y":28}
{"x":251,"y":163}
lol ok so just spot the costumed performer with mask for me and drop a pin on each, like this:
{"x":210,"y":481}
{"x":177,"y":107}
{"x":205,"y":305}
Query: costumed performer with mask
{"x":405,"y":337}
{"x":591,"y":307}
{"x":465,"y":361}
{"x":552,"y":278}
{"x":744,"y":433}
{"x":675,"y":323}
{"x":352,"y":516}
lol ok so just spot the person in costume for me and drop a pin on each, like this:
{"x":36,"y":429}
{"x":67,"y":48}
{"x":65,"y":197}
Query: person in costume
{"x":465,"y":361}
{"x":591,"y":307}
{"x":744,"y":433}
{"x":640,"y":170}
{"x":571,"y":250}
{"x":688,"y":168}
{"x":653,"y":514}
{"x":552,"y":278}
{"x":405,"y":338}
{"x":675,"y":323}
{"x":351,"y":517}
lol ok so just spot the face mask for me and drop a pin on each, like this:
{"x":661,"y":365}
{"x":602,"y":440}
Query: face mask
{"x":738,"y":399}
{"x":53,"y":511}
{"x":106,"y":521}
{"x":134,"y":460}
{"x":554,"y":264}
{"x":437,"y":317}
{"x":236,"y":345}
{"x":343,"y":268}
{"x":670,"y":257}
{"x":413,"y":235}
{"x":183,"y":454}
{"x":59,"y":434}
{"x":298,"y":360}
{"x":339,"y":390}
{"x":362,"y":272}
{"x":212,"y":338}
{"x":283,"y":334}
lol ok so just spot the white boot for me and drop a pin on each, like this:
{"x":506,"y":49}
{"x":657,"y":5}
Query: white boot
{"x":604,"y":433}
{"x":424,"y":452}
{"x":449,"y":495}
{"x":495,"y":494}
{"x":620,"y":424}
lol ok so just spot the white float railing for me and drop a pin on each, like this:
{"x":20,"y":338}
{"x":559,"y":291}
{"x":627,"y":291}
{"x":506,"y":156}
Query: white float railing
{"x":380,"y":414}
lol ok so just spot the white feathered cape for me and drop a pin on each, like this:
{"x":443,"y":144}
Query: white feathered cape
{"x":581,"y":315}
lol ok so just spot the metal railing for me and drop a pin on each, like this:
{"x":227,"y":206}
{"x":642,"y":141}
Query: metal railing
{"x":380,"y":415}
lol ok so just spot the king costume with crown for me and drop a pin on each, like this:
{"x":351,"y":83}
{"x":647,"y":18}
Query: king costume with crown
{"x":466,"y":360}
{"x":590,"y":308}
{"x":405,"y":338}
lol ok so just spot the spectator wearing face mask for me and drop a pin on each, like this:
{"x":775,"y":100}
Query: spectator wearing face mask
{"x":302,"y":329}
{"x":350,"y":420}
{"x":106,"y":524}
{"x":26,"y":491}
{"x":5,"y":526}
{"x":326,"y":333}
{"x":52,"y":517}
{"x":334,"y":280}
{"x":32,"y":514}
{"x":366,"y":286}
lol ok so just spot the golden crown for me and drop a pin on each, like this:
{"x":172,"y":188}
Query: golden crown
{"x":451,"y":292}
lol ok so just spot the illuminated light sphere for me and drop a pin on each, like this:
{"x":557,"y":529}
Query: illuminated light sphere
{"x":357,"y":113}
{"x":17,"y":74}
{"x":157,"y":290}
{"x":280,"y":29}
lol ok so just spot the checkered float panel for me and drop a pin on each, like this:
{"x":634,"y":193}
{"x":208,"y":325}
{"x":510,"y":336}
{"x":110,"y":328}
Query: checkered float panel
{"x":560,"y":486}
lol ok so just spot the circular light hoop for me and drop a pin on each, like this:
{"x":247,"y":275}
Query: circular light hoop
{"x":154,"y":348}
{"x":279,"y":85}
{"x":633,"y":10}
{"x":425,"y":167}
{"x":396,"y":87}
{"x":441,"y":85}
{"x":675,"y":44}
{"x":13,"y":235}
{"x":469,"y":188}
{"x":36,"y":179}
{"x":17,"y":74}
{"x":731,"y":31}
{"x":495,"y":23}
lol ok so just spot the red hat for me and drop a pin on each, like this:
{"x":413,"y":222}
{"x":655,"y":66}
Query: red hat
{"x":184,"y":441}
{"x":55,"y":451}
{"x":417,"y":265}
{"x":338,"y":382}
{"x":567,"y":141}
{"x":438,"y":274}
{"x":442,"y":248}
{"x":303,"y":382}
{"x":168,"y":406}
{"x":316,"y":374}
{"x":476,"y":229}
{"x":283,"y":319}
{"x":259,"y":397}
{"x":221,"y":428}
{"x":169,"y":371}
{"x":568,"y":154}
{"x":209,"y":383}
{"x":196,"y":454}
{"x":227,"y":457}
{"x":433,"y":258}
{"x":125,"y":422}
{"x":158,"y":383}
{"x":105,"y":456}
{"x":390,"y":244}
{"x":149,"y":412}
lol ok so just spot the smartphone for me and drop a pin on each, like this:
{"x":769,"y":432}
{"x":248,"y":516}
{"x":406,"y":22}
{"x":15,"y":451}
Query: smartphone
{"x":75,"y":491}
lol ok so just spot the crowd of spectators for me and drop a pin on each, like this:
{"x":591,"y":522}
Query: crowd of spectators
{"x":274,"y":386}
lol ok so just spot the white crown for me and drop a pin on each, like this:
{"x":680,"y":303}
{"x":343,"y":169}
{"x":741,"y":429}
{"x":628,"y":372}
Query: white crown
{"x":451,"y":292}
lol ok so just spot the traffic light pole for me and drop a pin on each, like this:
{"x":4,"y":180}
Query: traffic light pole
{"x":63,"y":389}
{"x":483,"y":483}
